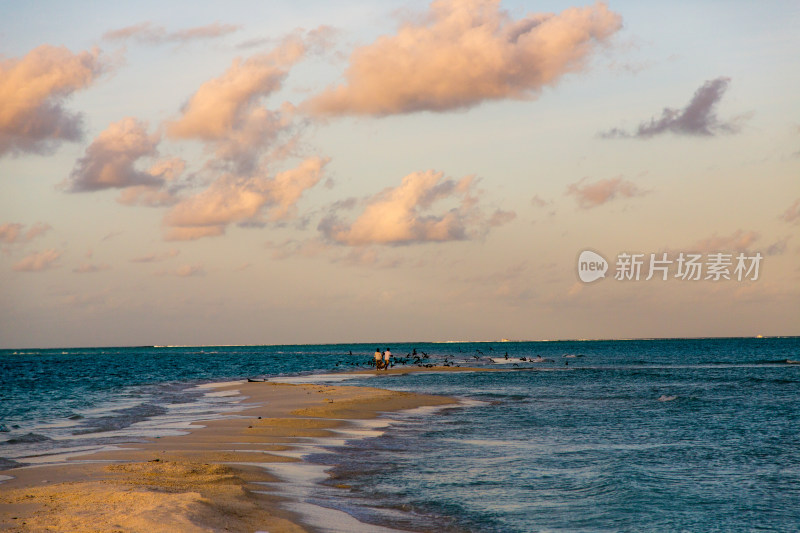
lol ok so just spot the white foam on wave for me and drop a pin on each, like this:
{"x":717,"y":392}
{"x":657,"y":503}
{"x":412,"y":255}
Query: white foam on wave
{"x":468,"y":402}
{"x":218,"y":384}
{"x":222,"y":394}
{"x":62,"y":441}
{"x":328,"y":520}
{"x":503,"y":360}
{"x":300,"y":482}
{"x":61,"y":455}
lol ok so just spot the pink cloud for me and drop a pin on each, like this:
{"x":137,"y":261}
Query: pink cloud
{"x":168,"y":169}
{"x":194,"y":233}
{"x":186,"y":271}
{"x":33,"y":90}
{"x":36,"y":230}
{"x":110,"y":161}
{"x":403,"y":214}
{"x":792,"y":213}
{"x":244,"y":200}
{"x":147,"y":195}
{"x":162,"y":193}
{"x":12,"y":233}
{"x":589,"y":195}
{"x":739,"y":241}
{"x":38,"y":261}
{"x":226,"y":112}
{"x":147,"y":32}
{"x":464,"y":52}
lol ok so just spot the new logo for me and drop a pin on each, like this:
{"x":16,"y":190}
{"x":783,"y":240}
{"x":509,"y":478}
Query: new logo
{"x":591,"y":266}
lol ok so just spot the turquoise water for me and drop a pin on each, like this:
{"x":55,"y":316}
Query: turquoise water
{"x":654,"y":435}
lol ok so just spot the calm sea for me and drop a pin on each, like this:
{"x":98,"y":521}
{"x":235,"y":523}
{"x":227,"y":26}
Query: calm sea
{"x":645,"y":435}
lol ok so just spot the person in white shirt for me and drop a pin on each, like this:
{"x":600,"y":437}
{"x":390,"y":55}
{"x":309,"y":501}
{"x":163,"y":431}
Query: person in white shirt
{"x":387,"y":355}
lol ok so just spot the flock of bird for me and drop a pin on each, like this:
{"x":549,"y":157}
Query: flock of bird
{"x":423,"y":360}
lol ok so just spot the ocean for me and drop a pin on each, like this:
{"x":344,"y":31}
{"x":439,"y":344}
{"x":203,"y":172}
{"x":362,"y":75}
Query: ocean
{"x":635,"y":435}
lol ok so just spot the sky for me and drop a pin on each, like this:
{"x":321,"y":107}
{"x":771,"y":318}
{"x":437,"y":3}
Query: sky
{"x":322,"y":172}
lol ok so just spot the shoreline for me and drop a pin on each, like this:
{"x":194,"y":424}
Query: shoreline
{"x":214,"y":477}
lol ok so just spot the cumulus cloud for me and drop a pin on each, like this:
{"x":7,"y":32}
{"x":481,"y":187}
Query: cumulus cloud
{"x":792,"y":213}
{"x":698,"y":118}
{"x":226,"y":112}
{"x":464,"y":52}
{"x":589,"y":195}
{"x":244,"y":200}
{"x":111,"y":158}
{"x":162,"y":193}
{"x":13,"y":233}
{"x":33,"y":90}
{"x":404,"y":214}
{"x":149,"y":33}
{"x":38,"y":261}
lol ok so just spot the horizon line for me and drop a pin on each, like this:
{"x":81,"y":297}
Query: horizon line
{"x":499,"y":341}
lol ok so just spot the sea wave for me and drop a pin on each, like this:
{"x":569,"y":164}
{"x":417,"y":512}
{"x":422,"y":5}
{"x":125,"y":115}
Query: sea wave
{"x":27,"y":439}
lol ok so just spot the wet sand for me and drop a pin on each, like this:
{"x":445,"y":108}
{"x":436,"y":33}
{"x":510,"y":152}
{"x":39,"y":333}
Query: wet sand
{"x":208,"y":480}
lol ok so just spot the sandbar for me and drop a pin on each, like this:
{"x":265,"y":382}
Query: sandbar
{"x":207,"y":480}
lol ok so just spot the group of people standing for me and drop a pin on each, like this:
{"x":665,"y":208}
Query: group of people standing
{"x":382,"y":360}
